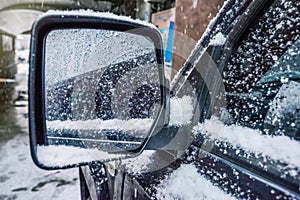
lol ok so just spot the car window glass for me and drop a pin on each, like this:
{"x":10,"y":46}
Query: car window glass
{"x":262,"y":86}
{"x":265,"y":59}
{"x":287,"y":66}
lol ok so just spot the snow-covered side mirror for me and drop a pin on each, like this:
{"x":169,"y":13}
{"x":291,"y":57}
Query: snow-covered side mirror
{"x":97,"y":88}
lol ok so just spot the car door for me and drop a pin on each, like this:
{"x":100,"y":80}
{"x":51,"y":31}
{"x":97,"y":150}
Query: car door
{"x":255,"y":136}
{"x":246,"y":122}
{"x":247,"y":136}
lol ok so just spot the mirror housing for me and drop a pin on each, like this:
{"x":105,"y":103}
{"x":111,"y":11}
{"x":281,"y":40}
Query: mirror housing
{"x":54,"y":158}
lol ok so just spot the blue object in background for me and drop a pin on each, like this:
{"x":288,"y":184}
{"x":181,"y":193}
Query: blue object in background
{"x":168,"y":52}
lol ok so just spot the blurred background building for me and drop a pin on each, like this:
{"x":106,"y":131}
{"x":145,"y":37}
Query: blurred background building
{"x":172,"y":17}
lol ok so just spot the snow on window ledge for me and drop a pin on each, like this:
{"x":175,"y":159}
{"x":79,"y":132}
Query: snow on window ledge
{"x":279,"y":148}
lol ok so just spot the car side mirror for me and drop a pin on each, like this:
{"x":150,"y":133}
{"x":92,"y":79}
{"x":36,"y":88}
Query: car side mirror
{"x":96,"y":88}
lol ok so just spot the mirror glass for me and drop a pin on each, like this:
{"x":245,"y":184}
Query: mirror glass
{"x":102,"y":93}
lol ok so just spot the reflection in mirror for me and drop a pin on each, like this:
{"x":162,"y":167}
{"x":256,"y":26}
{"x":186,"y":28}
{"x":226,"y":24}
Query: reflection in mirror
{"x":102,"y":90}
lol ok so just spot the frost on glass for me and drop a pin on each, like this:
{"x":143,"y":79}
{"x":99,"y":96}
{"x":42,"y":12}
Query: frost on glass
{"x":283,"y":116}
{"x":266,"y":60}
{"x":259,"y":127}
{"x":102,"y":89}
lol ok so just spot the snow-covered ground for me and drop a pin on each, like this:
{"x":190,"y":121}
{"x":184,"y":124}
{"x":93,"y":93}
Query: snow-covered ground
{"x":20,"y":178}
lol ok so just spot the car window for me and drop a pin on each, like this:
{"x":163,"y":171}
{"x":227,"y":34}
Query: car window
{"x":259,"y":128}
{"x":262,"y":64}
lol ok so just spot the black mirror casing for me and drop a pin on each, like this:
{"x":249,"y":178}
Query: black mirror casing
{"x":37,"y":111}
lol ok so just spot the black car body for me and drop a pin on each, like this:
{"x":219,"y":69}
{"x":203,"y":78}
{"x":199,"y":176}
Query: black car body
{"x":260,"y":36}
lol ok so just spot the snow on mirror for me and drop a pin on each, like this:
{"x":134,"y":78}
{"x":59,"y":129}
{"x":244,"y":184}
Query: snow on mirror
{"x":102,"y":92}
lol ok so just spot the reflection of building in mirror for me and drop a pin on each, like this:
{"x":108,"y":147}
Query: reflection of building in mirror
{"x":102,"y":89}
{"x":124,"y":91}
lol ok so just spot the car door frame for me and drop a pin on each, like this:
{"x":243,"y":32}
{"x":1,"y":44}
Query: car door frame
{"x":232,"y":33}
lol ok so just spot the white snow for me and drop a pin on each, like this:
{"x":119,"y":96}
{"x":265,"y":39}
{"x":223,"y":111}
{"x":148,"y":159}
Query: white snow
{"x":96,"y":14}
{"x":187,"y":184}
{"x":181,"y":110}
{"x":140,"y":163}
{"x":286,"y":101}
{"x":61,"y":155}
{"x":21,"y":179}
{"x":23,"y":54}
{"x":181,"y":113}
{"x":218,"y":40}
{"x":142,"y":125}
{"x":279,"y":148}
